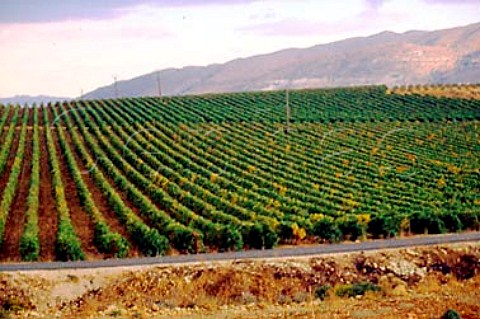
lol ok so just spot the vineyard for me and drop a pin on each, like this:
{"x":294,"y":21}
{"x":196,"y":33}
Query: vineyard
{"x":150,"y":176}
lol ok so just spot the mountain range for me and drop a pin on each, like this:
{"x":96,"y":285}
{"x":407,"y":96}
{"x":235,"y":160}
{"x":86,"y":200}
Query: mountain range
{"x":414,"y":57}
{"x":28,"y":99}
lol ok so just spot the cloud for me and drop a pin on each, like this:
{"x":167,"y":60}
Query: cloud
{"x":287,"y":27}
{"x":454,"y":2}
{"x":375,"y":4}
{"x":35,"y":11}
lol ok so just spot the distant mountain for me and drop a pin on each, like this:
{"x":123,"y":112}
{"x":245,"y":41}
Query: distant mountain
{"x":415,"y":57}
{"x":22,"y":99}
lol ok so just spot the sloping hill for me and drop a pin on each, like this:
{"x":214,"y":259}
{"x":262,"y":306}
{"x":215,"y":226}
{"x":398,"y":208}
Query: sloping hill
{"x":443,"y":56}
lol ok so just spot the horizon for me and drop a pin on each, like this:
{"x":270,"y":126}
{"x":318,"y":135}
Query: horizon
{"x":92,"y":42}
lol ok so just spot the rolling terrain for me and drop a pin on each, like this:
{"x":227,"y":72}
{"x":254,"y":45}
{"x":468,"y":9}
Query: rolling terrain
{"x":415,"y":57}
{"x":150,"y":176}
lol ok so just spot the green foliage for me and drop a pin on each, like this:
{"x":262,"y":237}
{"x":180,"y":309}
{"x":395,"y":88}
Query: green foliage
{"x":322,"y":292}
{"x":327,"y":229}
{"x":230,"y":239}
{"x":68,"y":246}
{"x":426,"y":221}
{"x":29,"y":242}
{"x":13,"y":179}
{"x":451,"y":220}
{"x":384,"y":225}
{"x":221,"y":171}
{"x":350,"y":227}
{"x":356,"y":289}
{"x":451,"y":314}
{"x":185,"y":239}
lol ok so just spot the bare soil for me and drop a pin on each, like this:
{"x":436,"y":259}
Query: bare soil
{"x":47,"y":212}
{"x":10,"y":158}
{"x":16,"y":218}
{"x":81,"y":221}
{"x":122,"y":194}
{"x":7,"y":123}
{"x":102,"y":203}
{"x":415,"y":283}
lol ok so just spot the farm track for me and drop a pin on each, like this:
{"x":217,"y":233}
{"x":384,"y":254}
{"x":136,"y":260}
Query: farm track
{"x":16,"y":218}
{"x":282,"y":253}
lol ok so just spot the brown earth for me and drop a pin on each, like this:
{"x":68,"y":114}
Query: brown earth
{"x":11,"y":156}
{"x":102,"y":203}
{"x":415,"y":283}
{"x":47,"y":212}
{"x":81,"y":221}
{"x":5,"y":128}
{"x":122,"y":194}
{"x":16,"y":218}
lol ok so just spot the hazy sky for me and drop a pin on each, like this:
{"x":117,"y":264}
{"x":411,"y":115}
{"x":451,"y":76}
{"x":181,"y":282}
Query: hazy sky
{"x":58,"y":47}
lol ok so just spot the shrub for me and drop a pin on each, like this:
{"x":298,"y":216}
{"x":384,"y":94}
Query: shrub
{"x":322,"y":292}
{"x":426,"y":221}
{"x":184,"y":238}
{"x":469,"y":219}
{"x":451,"y":221}
{"x":451,"y":314}
{"x":252,"y":235}
{"x":270,"y":237}
{"x":29,"y":246}
{"x":349,"y":226}
{"x":68,"y":246}
{"x":384,"y":225}
{"x":327,"y":229}
{"x":259,"y":236}
{"x":285,"y":230}
{"x":109,"y":242}
{"x":230,"y":238}
{"x":356,"y":289}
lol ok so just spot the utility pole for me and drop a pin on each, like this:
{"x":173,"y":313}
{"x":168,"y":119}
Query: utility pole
{"x":115,"y":86}
{"x":287,"y":110}
{"x":159,"y":87}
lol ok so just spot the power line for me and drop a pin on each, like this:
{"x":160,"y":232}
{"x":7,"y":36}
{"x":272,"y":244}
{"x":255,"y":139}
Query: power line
{"x":287,"y":106}
{"x":115,"y":86}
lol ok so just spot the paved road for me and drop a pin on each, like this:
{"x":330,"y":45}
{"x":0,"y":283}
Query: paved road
{"x":251,"y":254}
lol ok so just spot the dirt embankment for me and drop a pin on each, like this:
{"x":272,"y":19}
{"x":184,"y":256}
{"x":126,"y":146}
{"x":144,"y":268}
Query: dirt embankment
{"x":412,"y":283}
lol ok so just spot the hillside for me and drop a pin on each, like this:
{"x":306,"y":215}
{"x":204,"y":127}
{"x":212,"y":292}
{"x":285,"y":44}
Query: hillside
{"x":444,"y":56}
{"x":408,"y":283}
{"x":28,"y":99}
{"x":147,"y":176}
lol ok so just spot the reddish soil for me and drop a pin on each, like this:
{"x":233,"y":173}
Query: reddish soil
{"x":122,"y":195}
{"x":7,"y":123}
{"x":40,"y":116}
{"x":5,"y":128}
{"x":102,"y":203}
{"x":10,"y":159}
{"x":82,"y":222}
{"x":47,"y":213}
{"x":16,"y":217}
{"x":30,"y":118}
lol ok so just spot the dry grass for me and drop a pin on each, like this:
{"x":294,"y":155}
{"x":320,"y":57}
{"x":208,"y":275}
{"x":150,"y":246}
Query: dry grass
{"x":465,"y":91}
{"x":415,"y":283}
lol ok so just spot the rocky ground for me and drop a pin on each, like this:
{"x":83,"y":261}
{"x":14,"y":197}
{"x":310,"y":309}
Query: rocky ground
{"x":409,"y":283}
